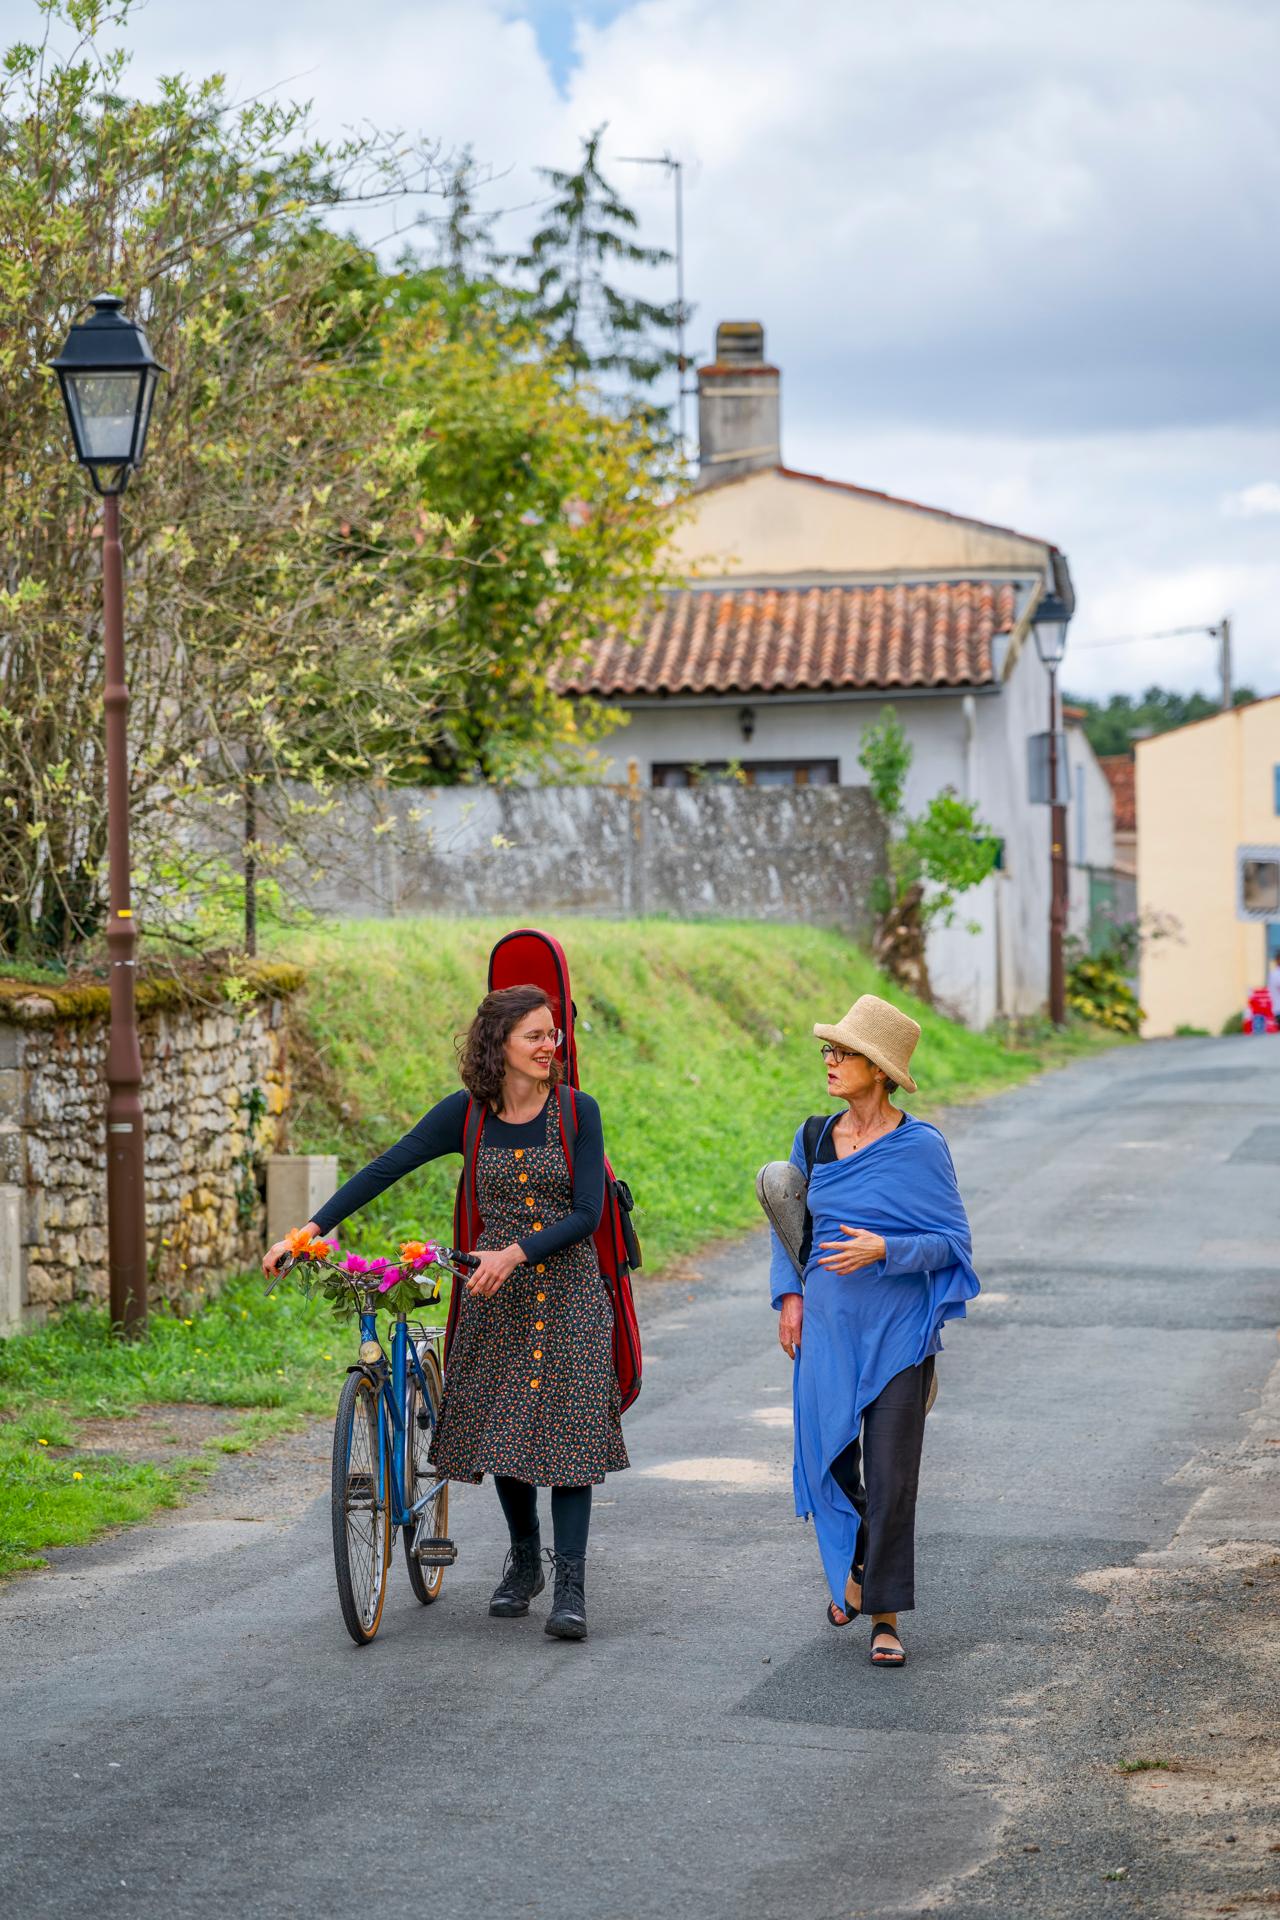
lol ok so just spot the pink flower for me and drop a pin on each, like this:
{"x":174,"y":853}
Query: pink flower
{"x":354,"y":1264}
{"x":389,"y":1279}
{"x":379,"y":1265}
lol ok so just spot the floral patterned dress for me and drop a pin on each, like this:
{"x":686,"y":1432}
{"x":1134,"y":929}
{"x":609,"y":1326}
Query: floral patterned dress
{"x":530,"y":1389}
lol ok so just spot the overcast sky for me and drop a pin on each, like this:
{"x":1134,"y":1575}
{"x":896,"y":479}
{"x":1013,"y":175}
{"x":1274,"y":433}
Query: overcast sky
{"x":1016,"y":259}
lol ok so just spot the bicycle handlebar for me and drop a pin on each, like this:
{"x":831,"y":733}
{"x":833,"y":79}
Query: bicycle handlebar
{"x":450,"y":1257}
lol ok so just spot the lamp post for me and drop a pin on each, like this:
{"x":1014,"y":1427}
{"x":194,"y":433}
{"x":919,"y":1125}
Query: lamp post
{"x":1052,"y":617}
{"x":108,"y":375}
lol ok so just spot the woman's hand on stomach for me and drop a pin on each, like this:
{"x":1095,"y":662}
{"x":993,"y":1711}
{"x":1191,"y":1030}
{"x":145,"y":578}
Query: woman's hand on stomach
{"x":859,"y":1248}
{"x":495,"y":1269}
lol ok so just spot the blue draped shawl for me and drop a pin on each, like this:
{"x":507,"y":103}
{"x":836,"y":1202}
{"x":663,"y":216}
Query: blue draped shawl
{"x":860,"y":1329}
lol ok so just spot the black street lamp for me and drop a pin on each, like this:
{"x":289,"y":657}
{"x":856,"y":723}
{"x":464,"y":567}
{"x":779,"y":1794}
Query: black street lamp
{"x":1052,"y":618}
{"x":108,"y":377}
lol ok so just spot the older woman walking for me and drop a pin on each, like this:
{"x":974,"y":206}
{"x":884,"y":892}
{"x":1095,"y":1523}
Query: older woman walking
{"x":885,"y":1261}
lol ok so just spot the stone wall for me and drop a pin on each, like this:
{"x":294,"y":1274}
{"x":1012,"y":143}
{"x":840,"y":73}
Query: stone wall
{"x":807,"y":855}
{"x":215,"y":1096}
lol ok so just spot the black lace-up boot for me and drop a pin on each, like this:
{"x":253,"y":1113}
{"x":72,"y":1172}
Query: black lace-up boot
{"x":521,"y":1578}
{"x":568,"y":1617}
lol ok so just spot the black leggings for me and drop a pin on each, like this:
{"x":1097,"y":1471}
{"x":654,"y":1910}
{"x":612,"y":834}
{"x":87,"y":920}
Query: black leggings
{"x":570,"y":1514}
{"x":880,"y":1475}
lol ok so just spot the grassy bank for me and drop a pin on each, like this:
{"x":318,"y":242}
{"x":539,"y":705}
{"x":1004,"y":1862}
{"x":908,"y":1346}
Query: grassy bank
{"x":696,"y":1040}
{"x":270,"y":1362}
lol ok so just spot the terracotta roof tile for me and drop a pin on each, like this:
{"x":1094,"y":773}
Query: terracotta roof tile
{"x":1119,"y":769}
{"x":794,"y":639}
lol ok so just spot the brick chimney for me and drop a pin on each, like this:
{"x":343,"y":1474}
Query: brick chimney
{"x":739,"y":406}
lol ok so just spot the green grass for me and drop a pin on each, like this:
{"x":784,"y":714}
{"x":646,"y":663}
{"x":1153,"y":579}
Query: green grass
{"x":695,"y":1038}
{"x":280,"y":1359}
{"x":59,"y":1500}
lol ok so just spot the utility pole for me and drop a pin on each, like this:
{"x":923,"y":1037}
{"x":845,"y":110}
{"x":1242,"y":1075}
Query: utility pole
{"x":1223,"y":632}
{"x":676,"y":169}
{"x":1059,"y":880}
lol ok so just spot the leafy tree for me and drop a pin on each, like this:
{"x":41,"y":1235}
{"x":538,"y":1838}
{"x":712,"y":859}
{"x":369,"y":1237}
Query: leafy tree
{"x":934,"y":856}
{"x":596,"y":327}
{"x":286,"y":585}
{"x":1112,"y":728}
{"x":560,"y":512}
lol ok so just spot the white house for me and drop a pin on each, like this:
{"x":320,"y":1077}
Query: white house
{"x":811,"y":605}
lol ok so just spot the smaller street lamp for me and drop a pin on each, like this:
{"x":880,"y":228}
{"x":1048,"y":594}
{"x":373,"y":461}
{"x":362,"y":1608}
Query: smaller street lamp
{"x":1052,"y":618}
{"x":108,"y":376}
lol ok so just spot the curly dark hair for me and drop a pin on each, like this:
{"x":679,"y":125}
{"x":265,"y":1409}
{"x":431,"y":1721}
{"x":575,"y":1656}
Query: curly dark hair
{"x":481,"y":1061}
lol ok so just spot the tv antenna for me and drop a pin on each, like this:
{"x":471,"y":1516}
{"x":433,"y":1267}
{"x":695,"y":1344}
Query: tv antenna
{"x":675,"y":168}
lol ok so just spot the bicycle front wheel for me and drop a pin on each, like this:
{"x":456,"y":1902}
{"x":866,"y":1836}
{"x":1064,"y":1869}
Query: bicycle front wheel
{"x":361,"y":1520}
{"x":425,"y":1581}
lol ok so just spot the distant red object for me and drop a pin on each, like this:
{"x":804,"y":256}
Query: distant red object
{"x":1260,"y":1015}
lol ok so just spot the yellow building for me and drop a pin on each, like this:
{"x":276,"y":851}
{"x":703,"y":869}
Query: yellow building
{"x":1209,"y":858}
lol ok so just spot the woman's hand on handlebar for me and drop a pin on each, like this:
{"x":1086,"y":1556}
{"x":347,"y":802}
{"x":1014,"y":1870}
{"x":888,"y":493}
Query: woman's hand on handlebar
{"x":494,"y":1270}
{"x":271,"y":1257}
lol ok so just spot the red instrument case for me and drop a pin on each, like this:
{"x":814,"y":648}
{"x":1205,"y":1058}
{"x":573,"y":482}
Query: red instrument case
{"x":528,"y":957}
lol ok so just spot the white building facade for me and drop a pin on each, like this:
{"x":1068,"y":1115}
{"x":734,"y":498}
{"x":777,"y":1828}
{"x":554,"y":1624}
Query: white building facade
{"x":813,"y":605}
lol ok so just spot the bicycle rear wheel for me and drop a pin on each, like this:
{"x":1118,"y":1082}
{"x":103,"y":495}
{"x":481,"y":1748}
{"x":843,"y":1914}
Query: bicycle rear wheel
{"x":426,"y":1582}
{"x":361,"y":1521}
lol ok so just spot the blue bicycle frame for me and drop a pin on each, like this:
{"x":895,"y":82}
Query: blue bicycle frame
{"x":394,"y":1437}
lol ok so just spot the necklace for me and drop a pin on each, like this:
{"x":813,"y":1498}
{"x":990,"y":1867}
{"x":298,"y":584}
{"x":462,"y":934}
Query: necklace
{"x":874,"y":1132}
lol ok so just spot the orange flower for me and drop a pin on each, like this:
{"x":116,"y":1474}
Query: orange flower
{"x":304,"y":1246}
{"x":413,"y":1250}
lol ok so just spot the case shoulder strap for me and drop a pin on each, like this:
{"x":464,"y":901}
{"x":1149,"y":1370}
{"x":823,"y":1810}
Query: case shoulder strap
{"x":472,"y":1128}
{"x":812,"y":1134}
{"x":567,"y":1109}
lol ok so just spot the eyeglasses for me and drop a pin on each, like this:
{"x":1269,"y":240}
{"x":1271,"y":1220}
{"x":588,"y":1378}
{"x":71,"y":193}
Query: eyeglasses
{"x":540,"y":1039}
{"x":837,"y":1055}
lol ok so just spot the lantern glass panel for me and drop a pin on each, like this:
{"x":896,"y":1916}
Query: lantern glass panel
{"x":144,"y":414}
{"x":105,"y":407}
{"x":1051,"y":641}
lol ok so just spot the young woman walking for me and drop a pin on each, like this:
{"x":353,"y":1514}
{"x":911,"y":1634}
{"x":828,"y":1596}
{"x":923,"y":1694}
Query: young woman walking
{"x":530,"y":1391}
{"x":887,"y":1260}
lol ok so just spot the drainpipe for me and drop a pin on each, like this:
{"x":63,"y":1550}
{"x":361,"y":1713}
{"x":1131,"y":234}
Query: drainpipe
{"x":969,"y":708}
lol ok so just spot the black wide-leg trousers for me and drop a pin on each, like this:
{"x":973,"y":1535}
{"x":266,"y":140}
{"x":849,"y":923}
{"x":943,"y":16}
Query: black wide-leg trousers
{"x":880,"y":1473}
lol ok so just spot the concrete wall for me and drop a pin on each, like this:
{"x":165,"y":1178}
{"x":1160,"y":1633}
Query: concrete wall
{"x":779,"y":526}
{"x":1203,"y":792}
{"x":207,"y":1131}
{"x":801,"y":855}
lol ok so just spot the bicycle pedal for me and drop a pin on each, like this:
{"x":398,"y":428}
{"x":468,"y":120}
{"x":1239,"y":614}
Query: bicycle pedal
{"x":437,"y":1551}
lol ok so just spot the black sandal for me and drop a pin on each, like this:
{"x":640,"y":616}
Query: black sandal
{"x":855,"y":1573}
{"x":888,"y":1657}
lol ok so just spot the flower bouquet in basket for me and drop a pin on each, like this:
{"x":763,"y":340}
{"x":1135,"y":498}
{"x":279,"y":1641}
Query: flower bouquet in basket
{"x":354,"y":1285}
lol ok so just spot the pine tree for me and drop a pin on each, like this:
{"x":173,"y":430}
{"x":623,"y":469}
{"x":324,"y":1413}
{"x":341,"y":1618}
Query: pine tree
{"x":465,"y":249}
{"x":597,"y":328}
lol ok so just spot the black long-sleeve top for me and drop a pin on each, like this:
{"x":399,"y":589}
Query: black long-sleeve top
{"x":441,"y":1131}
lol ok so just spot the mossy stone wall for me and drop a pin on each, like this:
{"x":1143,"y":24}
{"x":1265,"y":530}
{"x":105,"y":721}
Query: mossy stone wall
{"x":215,"y":1097}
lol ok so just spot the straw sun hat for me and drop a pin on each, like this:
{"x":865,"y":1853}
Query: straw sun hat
{"x":874,"y":1028}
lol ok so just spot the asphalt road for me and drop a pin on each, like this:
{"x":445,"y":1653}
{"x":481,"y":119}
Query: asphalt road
{"x":185,"y":1729}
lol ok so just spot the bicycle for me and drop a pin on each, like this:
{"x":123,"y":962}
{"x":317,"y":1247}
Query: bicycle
{"x":388,"y":1411}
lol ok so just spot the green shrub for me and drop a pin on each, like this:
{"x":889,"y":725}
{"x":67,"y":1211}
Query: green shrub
{"x":1098,"y":990}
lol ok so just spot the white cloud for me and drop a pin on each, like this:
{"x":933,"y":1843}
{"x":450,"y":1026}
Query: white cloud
{"x":1252,"y":503}
{"x":1015,"y":260}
